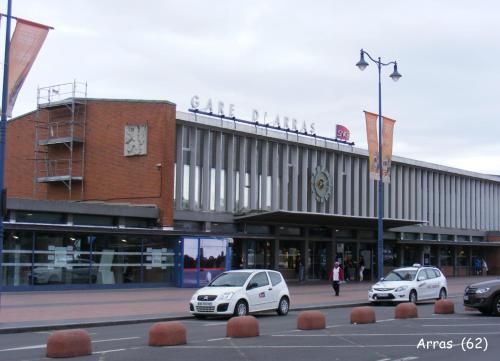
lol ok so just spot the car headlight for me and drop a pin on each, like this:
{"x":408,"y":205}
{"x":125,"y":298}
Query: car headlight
{"x":226,"y":296}
{"x":482,"y":290}
{"x":195,"y":296}
{"x":400,"y":289}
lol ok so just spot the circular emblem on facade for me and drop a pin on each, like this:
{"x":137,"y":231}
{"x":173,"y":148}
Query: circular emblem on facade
{"x":321,"y":184}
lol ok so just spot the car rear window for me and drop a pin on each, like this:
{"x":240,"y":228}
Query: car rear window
{"x":275,"y":278}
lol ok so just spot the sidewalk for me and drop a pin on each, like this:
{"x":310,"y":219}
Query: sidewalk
{"x":29,"y":311}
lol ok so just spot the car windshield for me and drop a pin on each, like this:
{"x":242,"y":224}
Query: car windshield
{"x":401,"y":275}
{"x":230,"y":279}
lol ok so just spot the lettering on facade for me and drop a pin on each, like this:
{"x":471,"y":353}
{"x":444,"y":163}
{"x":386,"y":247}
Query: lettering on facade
{"x":263,"y":118}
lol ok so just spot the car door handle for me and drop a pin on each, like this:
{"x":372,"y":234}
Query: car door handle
{"x":270,"y":289}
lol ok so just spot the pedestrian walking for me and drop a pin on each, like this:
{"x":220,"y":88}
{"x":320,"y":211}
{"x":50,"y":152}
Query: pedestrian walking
{"x":361,"y":268}
{"x":477,"y":266}
{"x":485,"y":267}
{"x":300,"y":268}
{"x":337,"y":276}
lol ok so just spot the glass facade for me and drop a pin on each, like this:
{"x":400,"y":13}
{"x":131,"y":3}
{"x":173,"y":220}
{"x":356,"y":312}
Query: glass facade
{"x":17,"y":258}
{"x":203,"y":260}
{"x":260,"y":254}
{"x":64,"y":259}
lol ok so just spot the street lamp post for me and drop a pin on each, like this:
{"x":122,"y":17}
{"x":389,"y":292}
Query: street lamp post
{"x":362,"y":64}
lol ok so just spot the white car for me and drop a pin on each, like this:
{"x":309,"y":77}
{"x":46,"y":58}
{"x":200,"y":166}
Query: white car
{"x":411,"y":284}
{"x":240,"y":292}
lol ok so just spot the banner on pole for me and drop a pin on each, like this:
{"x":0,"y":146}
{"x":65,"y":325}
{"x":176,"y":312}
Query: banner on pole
{"x":25,"y":44}
{"x":387,"y":137}
{"x":371,"y":132}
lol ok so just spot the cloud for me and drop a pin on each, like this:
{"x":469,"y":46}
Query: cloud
{"x":292,"y":58}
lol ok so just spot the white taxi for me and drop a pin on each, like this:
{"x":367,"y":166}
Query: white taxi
{"x":241,"y":292}
{"x":410,"y":284}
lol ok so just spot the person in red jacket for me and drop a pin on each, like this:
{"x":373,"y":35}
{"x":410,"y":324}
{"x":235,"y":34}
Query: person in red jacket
{"x":337,"y":275}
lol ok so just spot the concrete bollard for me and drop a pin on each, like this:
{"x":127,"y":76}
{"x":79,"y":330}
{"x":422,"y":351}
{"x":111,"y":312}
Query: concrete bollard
{"x":406,"y":310}
{"x":311,"y":320}
{"x":69,"y":343}
{"x":167,"y":334}
{"x":243,"y":326}
{"x":364,"y":314}
{"x":444,"y":307}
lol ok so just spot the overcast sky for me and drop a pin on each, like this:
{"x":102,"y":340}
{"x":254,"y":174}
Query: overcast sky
{"x":292,"y":58}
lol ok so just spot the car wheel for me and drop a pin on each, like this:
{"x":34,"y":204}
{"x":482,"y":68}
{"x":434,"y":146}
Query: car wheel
{"x":485,"y":311}
{"x":496,"y":306}
{"x":283,"y":306}
{"x":200,"y":317}
{"x":413,"y":296}
{"x":442,"y":294}
{"x":241,"y":308}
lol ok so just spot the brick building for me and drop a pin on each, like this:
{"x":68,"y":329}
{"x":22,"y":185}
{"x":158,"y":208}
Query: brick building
{"x":98,"y":170}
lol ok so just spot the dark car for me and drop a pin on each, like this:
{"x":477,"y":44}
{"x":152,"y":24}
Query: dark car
{"x":484,"y":296}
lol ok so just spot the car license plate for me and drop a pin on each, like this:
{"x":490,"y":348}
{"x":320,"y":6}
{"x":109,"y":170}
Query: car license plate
{"x":466,"y":298}
{"x":382,"y":294}
{"x":204,"y":303}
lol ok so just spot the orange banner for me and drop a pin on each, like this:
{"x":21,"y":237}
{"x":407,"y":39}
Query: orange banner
{"x":371,"y":132}
{"x":387,"y":136}
{"x":26,"y":42}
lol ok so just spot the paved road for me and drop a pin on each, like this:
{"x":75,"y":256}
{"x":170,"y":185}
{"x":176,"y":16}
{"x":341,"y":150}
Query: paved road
{"x":46,"y":309}
{"x":387,"y":340}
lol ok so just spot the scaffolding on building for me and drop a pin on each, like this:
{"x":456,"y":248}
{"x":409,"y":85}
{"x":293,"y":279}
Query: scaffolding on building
{"x":60,"y":135}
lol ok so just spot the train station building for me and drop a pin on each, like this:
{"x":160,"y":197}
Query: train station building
{"x":129,"y":193}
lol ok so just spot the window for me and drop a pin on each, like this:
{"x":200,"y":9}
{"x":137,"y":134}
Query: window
{"x":275,"y":278}
{"x":139,"y":223}
{"x":260,"y":279}
{"x":320,"y":232}
{"x":89,"y":220}
{"x":421,"y":275}
{"x":258,"y":229}
{"x":290,"y":231}
{"x":40,"y":217}
{"x":446,"y":256}
{"x":288,"y":253}
{"x":430,"y":274}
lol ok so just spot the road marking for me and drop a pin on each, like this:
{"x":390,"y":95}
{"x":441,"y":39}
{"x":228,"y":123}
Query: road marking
{"x":215,"y":324}
{"x":107,"y":351}
{"x":386,"y":334}
{"x":218,"y":339}
{"x":23,"y":348}
{"x":117,"y":339}
{"x":289,"y":346}
{"x":332,"y":326}
{"x":50,"y":332}
{"x":44,"y":345}
{"x":389,"y":319}
{"x":464,"y":324}
{"x":444,"y":317}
